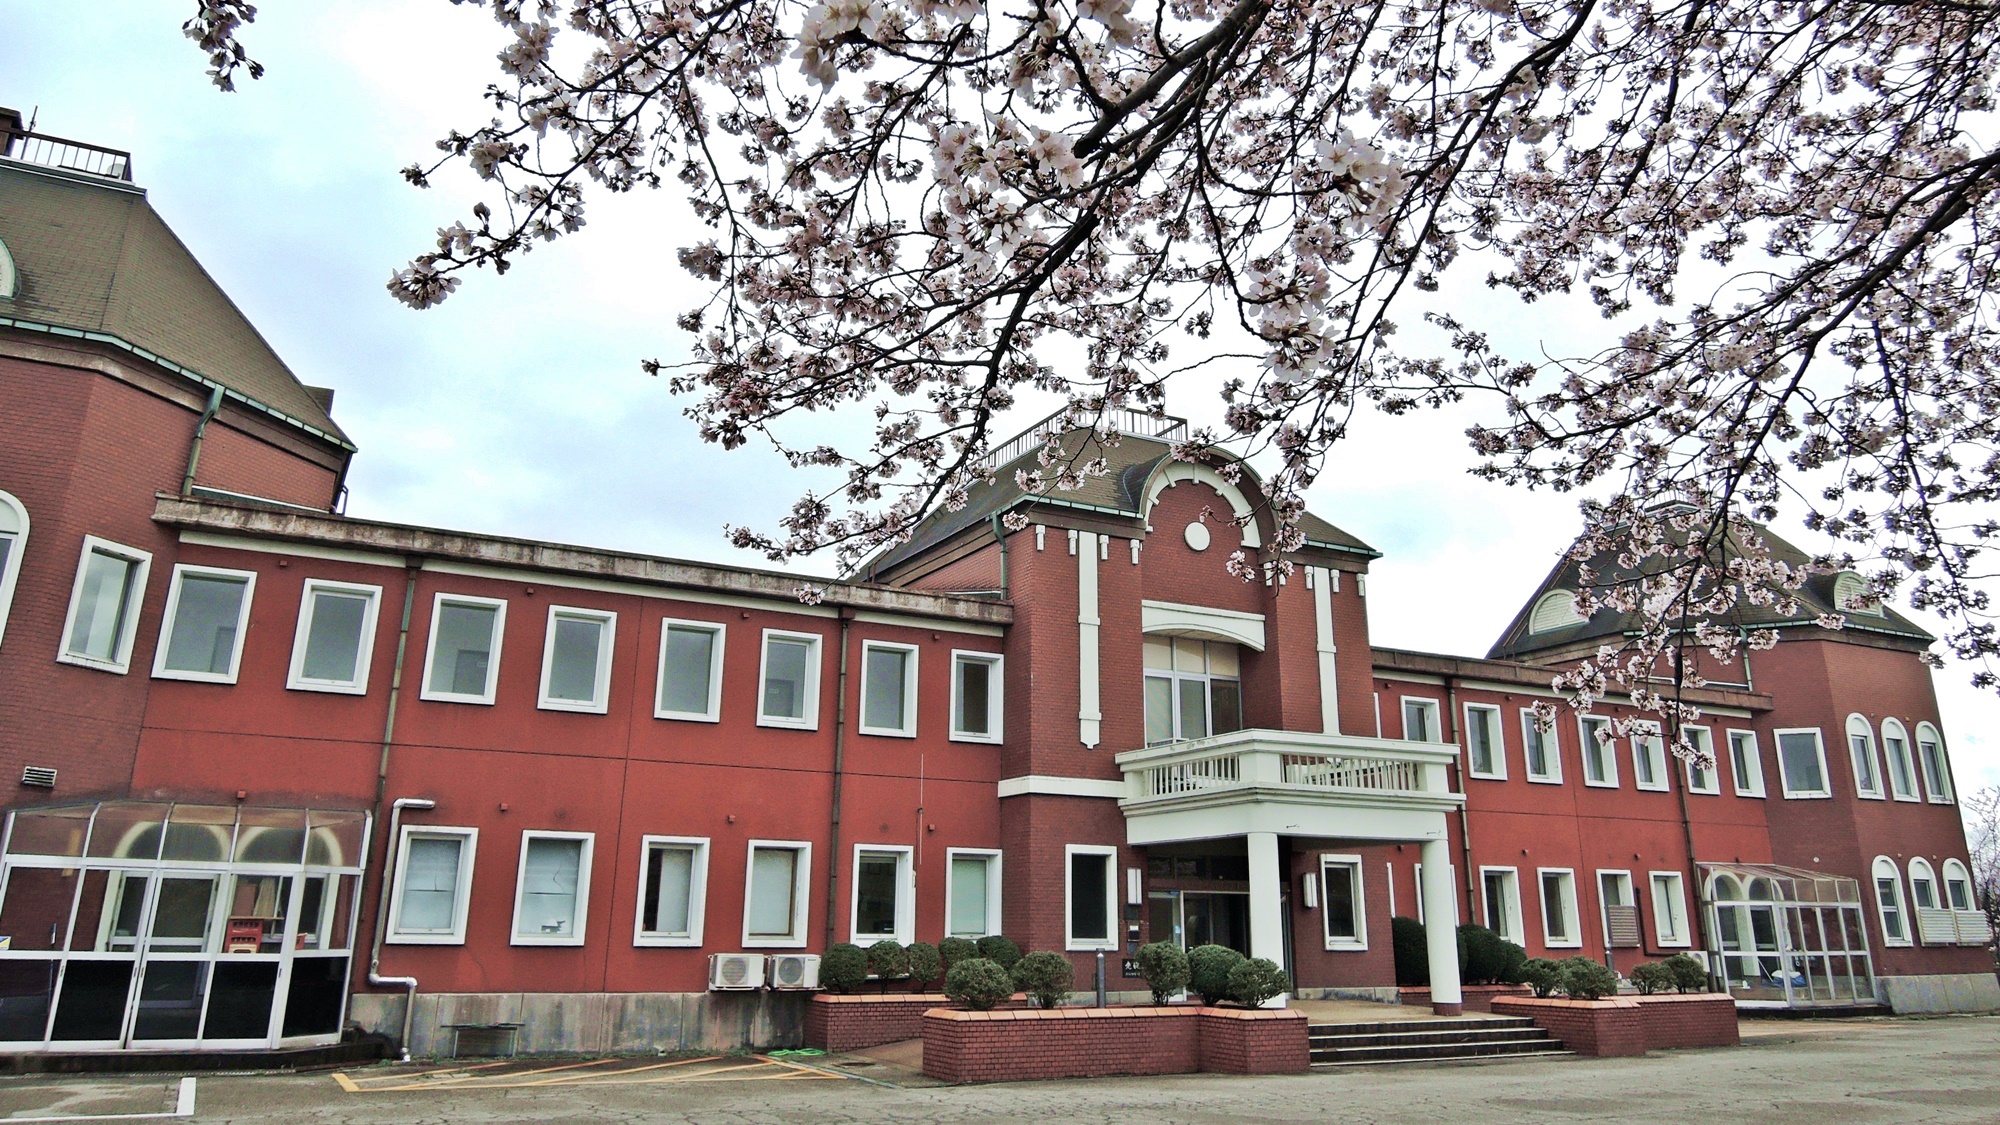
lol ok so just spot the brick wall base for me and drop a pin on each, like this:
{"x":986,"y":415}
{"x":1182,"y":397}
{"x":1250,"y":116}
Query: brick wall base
{"x":1012,"y":1046}
{"x":1598,"y":1028}
{"x":1695,"y":1020}
{"x":850,"y":1023}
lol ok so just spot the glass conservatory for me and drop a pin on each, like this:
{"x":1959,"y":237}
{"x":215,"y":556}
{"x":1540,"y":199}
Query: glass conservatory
{"x":130,"y":924}
{"x":1783,"y":937}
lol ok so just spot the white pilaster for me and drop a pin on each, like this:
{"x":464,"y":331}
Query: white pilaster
{"x":1440,"y":923}
{"x":1089,"y":717}
{"x":1329,"y":687}
{"x":1267,"y":908}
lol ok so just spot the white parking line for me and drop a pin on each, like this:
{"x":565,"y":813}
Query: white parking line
{"x":183,"y":1107}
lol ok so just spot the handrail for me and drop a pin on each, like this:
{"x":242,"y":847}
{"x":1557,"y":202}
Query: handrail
{"x":1137,"y":423}
{"x":61,"y":152}
{"x":1285,"y":760}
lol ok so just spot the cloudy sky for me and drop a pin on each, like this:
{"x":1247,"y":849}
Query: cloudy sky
{"x":518,"y":407}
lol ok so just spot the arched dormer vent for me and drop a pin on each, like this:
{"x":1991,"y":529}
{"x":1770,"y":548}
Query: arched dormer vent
{"x":1555,"y":610}
{"x":1851,"y":595}
{"x":10,"y":278}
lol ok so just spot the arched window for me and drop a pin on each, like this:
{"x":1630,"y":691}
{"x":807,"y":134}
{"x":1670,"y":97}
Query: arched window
{"x":1957,"y":885}
{"x":1902,"y":771}
{"x":1555,"y":610}
{"x":1861,"y":754}
{"x":1889,"y":902}
{"x":1930,"y":756}
{"x":10,"y":278}
{"x":1923,"y":885}
{"x":13,"y":540}
{"x":1727,"y":889}
{"x":1851,"y":595}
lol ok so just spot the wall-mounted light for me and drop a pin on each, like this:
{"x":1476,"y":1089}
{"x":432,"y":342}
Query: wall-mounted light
{"x":1309,"y":890}
{"x":1135,"y":886}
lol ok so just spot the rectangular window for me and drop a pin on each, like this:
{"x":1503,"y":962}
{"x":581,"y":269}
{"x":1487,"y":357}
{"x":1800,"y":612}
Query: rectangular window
{"x":1702,"y":774}
{"x":1559,"y":914}
{"x":888,"y":689}
{"x":1501,"y":887}
{"x":774,"y":900}
{"x":790,"y":677}
{"x":1649,"y":759}
{"x":1802,"y":763}
{"x":673,"y":890}
{"x":104,"y":605}
{"x":884,"y":896}
{"x":1746,"y":763}
{"x":1902,"y":775}
{"x":576,"y":660}
{"x":1420,"y":720}
{"x":552,"y":893}
{"x":1937,"y":771}
{"x":1342,"y":904}
{"x":433,"y":884}
{"x":1861,"y":751}
{"x":1620,"y":911}
{"x":1192,"y":688}
{"x":690,"y":670}
{"x":1600,"y":765}
{"x":464,"y":661}
{"x":975,"y":697}
{"x":1543,"y":758}
{"x":1889,"y":897}
{"x":1485,"y":753}
{"x":1670,"y":921}
{"x":331,"y":649}
{"x":972,"y":893}
{"x":1090,"y":908}
{"x":207,"y":614}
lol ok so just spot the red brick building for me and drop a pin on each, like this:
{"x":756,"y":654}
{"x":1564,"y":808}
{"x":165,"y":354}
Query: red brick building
{"x":283,"y":770}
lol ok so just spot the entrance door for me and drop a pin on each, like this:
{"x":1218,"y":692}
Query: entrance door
{"x":1195,"y":918}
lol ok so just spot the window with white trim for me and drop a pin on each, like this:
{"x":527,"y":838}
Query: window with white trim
{"x":971,"y":892}
{"x":775,"y":898}
{"x":789,"y":679}
{"x":1902,"y":772}
{"x":1649,"y":759}
{"x":888,"y":689}
{"x":1670,"y":918}
{"x":1485,"y":750}
{"x":463,"y":664}
{"x":1861,"y":756}
{"x":1193,"y":688}
{"x":202,"y":629}
{"x":1889,"y":902}
{"x":1746,"y":763}
{"x":1957,"y":886}
{"x":690,"y":670}
{"x":1500,"y":891}
{"x":975,"y":696}
{"x":673,"y":890}
{"x":552,"y":888}
{"x":1617,"y":910}
{"x":1540,"y":751}
{"x":1923,"y":884}
{"x":433,"y":885}
{"x":104,"y":605}
{"x":1600,"y":762}
{"x":1936,"y":767}
{"x":1703,"y":772}
{"x":884,"y":900}
{"x":13,"y":541}
{"x":1420,"y":720}
{"x":1343,"y":904}
{"x":1090,"y":906}
{"x":331,"y":648}
{"x":576,"y":660}
{"x":1560,"y":926}
{"x":1802,"y":763}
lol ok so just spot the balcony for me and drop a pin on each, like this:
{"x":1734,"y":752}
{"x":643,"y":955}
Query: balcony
{"x":1291,"y":782}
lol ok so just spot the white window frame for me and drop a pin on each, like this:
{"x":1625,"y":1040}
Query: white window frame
{"x":295,"y":677}
{"x":1940,"y":789}
{"x":1433,"y":718}
{"x":1785,"y":775}
{"x":1875,"y":868}
{"x":1963,"y":878}
{"x":810,"y":721}
{"x":1706,"y":741}
{"x":697,"y":894}
{"x":1510,"y":911}
{"x":1929,"y":877}
{"x":461,"y":898}
{"x":993,"y":859}
{"x":1110,"y":941}
{"x":720,"y":634}
{"x":906,"y":894}
{"x":172,"y":611}
{"x":801,"y":890}
{"x":10,"y":573}
{"x":1916,"y":789}
{"x":514,"y":934}
{"x":1552,"y":751}
{"x":438,"y":602}
{"x":1609,"y":748}
{"x":128,"y":631}
{"x":1677,"y":910}
{"x":1497,"y":730}
{"x":1647,"y":740}
{"x":995,"y":711}
{"x":1626,"y":890}
{"x":607,"y":637}
{"x":1571,"y":913}
{"x":1859,"y":726}
{"x":908,"y":727}
{"x":1353,"y":866}
{"x":1755,"y":788}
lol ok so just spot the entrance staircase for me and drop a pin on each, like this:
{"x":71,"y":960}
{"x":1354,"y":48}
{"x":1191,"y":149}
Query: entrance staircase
{"x":1435,"y":1040}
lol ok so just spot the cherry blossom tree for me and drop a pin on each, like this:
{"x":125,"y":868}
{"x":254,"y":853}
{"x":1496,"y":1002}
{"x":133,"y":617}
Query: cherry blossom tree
{"x":929,"y":208}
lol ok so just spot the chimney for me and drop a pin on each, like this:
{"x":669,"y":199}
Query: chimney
{"x":10,"y":125}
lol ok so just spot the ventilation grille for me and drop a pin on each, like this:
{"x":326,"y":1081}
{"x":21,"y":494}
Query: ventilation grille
{"x":39,"y":777}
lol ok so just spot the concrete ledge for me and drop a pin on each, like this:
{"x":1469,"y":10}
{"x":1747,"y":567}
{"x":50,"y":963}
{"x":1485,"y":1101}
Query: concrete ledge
{"x":1476,"y":997}
{"x":1935,"y":995}
{"x":596,"y":1022}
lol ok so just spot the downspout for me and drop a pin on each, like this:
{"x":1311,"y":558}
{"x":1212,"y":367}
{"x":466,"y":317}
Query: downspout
{"x":839,"y":767}
{"x":194,"y":447}
{"x":1000,"y":537}
{"x":1687,"y":822}
{"x":375,"y":976}
{"x":1464,"y":822}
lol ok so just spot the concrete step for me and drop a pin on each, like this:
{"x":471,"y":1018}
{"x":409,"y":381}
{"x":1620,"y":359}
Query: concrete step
{"x":1429,"y":1038}
{"x":1435,"y":1052}
{"x":1556,"y":1054}
{"x":1386,"y":1027}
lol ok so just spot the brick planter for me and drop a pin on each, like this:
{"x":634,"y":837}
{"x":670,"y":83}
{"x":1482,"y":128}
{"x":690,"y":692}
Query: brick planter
{"x":849,"y":1023}
{"x":1477,"y":997}
{"x":1012,"y":1046}
{"x":1706,"y":1019}
{"x":1599,"y":1028}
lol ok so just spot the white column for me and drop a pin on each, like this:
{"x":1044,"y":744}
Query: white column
{"x":1267,"y":907}
{"x":1329,"y":684}
{"x":1440,"y":925}
{"x":1088,"y":716}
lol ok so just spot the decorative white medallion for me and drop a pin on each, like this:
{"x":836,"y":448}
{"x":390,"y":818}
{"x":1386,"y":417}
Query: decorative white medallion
{"x":1197,"y":535}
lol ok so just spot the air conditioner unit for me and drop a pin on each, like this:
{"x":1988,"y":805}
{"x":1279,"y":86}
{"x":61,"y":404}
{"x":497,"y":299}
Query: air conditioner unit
{"x":794,"y":970}
{"x":731,"y":971}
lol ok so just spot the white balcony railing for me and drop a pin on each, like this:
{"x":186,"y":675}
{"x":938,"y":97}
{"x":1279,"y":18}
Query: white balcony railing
{"x":1287,"y":761}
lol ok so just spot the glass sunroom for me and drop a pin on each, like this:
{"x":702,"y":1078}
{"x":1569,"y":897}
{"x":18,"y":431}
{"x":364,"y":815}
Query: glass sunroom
{"x":141,"y":925}
{"x":1785,"y":937}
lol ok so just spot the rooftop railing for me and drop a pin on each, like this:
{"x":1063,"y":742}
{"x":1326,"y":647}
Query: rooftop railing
{"x":59,"y":152}
{"x":1136,"y":423}
{"x":1276,"y":761}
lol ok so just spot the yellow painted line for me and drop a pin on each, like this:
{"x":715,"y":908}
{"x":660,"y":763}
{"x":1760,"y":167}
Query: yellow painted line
{"x":757,"y":1069}
{"x":619,"y":1074}
{"x":442,"y":1082}
{"x":346,"y":1083}
{"x":375,"y":1081}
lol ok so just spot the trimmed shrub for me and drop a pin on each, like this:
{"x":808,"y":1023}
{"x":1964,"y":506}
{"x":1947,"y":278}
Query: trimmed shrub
{"x":1512,"y":958}
{"x":1542,"y":975}
{"x":1000,"y":951}
{"x":1585,"y":979}
{"x":1257,"y":980}
{"x":888,"y":961}
{"x":843,"y":967}
{"x":1651,"y":977}
{"x":1208,"y":971}
{"x":1481,"y":958}
{"x":978,"y":984}
{"x":925,"y":964}
{"x":1165,"y":968}
{"x":1046,"y":977}
{"x":1413,"y":954}
{"x":956,"y":949}
{"x":1689,"y":974}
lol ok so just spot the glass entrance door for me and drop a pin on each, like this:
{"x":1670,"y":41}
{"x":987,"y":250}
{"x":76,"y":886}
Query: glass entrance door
{"x":1195,"y":918}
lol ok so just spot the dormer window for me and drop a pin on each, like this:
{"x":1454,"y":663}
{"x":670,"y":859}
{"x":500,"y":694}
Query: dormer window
{"x":10,"y":278}
{"x":1193,"y":689}
{"x":1555,"y":610}
{"x":1851,"y":595}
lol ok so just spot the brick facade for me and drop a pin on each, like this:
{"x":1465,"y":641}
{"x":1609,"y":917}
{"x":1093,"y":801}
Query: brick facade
{"x":1097,"y":1042}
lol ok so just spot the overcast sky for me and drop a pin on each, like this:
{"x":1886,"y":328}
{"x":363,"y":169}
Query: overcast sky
{"x":518,"y":407}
